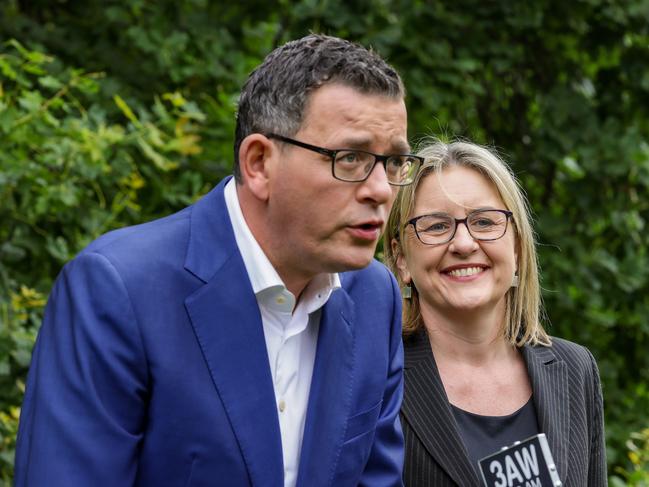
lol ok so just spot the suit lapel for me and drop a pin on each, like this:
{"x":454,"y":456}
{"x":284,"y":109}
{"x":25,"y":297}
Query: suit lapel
{"x":227,"y":323}
{"x":331,"y":392}
{"x":426,"y":408}
{"x":549,"y":378}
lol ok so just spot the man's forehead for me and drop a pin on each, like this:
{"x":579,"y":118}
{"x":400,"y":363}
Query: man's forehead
{"x":357,"y":119}
{"x":396,"y":144}
{"x":340,"y":93}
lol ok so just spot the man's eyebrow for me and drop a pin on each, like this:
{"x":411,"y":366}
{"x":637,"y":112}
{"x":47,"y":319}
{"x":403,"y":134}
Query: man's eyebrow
{"x":364,"y":143}
{"x":356,"y":143}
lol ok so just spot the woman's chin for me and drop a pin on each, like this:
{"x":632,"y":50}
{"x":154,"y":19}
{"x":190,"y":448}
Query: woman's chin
{"x":472,"y":304}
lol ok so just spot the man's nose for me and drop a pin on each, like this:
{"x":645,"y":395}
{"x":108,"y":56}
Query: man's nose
{"x":376,"y":187}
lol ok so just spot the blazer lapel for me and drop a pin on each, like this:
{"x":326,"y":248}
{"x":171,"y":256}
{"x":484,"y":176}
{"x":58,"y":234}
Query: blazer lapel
{"x":330,"y":396}
{"x":426,"y":408}
{"x":549,"y":378}
{"x":227,"y":323}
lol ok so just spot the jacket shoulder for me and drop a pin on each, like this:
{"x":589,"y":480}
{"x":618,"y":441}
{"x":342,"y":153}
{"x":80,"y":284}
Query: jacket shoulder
{"x":576,"y":356}
{"x":145,"y":249}
{"x":375,"y":276}
{"x":567,"y":349}
{"x":158,"y":232}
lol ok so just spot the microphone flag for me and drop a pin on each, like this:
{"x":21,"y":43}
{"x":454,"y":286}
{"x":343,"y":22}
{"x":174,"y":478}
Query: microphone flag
{"x":526,"y":463}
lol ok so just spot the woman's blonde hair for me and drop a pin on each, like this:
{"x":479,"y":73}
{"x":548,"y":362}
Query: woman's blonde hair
{"x":524,"y":308}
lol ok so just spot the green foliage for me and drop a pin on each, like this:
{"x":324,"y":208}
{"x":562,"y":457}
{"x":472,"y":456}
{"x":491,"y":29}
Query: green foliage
{"x":637,"y":473}
{"x":68,"y":174}
{"x":562,"y":89}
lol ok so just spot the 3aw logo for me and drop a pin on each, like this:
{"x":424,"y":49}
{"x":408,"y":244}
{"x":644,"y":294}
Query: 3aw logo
{"x":526,"y":463}
{"x":524,"y":469}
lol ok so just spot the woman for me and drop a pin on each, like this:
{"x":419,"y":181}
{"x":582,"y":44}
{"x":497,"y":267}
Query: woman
{"x":480,"y":371}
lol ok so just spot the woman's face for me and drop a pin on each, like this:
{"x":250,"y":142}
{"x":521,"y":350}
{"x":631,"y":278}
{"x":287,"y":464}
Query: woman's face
{"x":464,"y":274}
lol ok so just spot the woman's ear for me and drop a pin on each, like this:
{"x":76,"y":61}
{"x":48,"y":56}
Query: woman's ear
{"x":400,"y":262}
{"x":257,"y":161}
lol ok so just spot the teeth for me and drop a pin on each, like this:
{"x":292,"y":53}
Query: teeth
{"x":467,"y":271}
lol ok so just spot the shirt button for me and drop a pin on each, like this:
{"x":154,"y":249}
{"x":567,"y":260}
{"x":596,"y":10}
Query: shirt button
{"x":280,"y":300}
{"x":282,"y":405}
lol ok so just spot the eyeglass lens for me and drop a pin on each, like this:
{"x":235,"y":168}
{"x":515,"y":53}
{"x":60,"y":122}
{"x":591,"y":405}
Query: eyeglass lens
{"x":482,"y":225}
{"x":357,"y":165}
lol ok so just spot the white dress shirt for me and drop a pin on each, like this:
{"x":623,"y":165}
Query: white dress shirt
{"x":290,"y":331}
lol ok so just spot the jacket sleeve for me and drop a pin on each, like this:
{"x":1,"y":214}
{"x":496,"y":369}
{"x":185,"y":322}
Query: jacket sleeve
{"x":597,"y":475}
{"x":385,"y":464}
{"x":81,"y":420}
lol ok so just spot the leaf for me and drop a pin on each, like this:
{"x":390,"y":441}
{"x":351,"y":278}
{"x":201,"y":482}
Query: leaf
{"x":176,"y":99}
{"x":11,"y":252}
{"x":31,"y":101}
{"x":6,"y":69}
{"x":50,"y":82}
{"x":186,"y":145}
{"x":126,"y":110}
{"x":571,"y":167}
{"x":58,"y":248}
{"x":158,"y":159}
{"x":22,"y":357}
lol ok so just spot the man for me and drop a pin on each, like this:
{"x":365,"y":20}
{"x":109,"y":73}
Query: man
{"x":220,"y":346}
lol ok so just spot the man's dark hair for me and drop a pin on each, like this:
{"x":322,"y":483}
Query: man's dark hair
{"x":274,"y":97}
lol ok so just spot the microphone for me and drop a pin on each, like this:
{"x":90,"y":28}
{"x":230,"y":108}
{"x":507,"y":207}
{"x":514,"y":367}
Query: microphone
{"x":526,"y":463}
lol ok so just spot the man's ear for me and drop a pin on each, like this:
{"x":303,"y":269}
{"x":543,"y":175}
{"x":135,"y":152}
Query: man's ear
{"x":257,"y":157}
{"x":400,"y":261}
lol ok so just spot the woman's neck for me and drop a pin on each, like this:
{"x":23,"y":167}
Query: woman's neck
{"x":474,"y":338}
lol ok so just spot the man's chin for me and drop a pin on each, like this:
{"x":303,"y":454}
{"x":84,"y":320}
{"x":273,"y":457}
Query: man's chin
{"x":355,"y":262}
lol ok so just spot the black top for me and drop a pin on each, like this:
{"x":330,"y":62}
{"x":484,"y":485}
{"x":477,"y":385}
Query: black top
{"x":484,"y":435}
{"x":567,"y":400}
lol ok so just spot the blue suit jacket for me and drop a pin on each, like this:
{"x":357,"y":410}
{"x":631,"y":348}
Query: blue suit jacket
{"x":151,"y":369}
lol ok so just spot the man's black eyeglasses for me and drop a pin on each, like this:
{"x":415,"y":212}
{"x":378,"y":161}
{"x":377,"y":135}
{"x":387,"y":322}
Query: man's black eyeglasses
{"x":354,"y":166}
{"x":440,"y":228}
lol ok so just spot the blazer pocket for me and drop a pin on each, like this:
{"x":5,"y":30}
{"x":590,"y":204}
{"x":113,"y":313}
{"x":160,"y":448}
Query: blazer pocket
{"x":362,"y":423}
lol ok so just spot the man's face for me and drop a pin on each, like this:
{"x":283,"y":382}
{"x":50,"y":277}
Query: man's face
{"x":322,"y":224}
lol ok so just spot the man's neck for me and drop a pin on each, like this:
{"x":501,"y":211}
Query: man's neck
{"x":294,"y":280}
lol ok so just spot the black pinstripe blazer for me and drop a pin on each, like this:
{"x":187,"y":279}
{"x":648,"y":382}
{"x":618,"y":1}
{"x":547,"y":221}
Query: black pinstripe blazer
{"x":568,"y":401}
